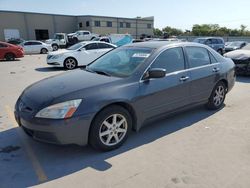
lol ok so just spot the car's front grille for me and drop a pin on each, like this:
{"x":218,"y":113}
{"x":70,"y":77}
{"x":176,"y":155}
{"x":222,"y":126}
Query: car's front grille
{"x":22,"y":107}
{"x":49,"y":56}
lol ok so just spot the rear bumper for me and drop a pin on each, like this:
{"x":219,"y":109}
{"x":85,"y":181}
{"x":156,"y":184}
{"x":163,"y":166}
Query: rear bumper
{"x":61,"y":132}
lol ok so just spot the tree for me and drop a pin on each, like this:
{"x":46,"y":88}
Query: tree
{"x":172,"y":31}
{"x":242,"y":29}
{"x":157,"y":32}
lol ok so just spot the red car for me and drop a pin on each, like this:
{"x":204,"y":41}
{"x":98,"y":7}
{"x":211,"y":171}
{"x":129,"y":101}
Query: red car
{"x":10,"y":51}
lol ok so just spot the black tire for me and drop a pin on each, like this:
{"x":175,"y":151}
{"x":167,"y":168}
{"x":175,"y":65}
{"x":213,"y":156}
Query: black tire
{"x":217,"y":97}
{"x":9,"y":57}
{"x":55,"y":47}
{"x":44,"y":51}
{"x":220,"y":51}
{"x":70,"y":63}
{"x":99,"y":127}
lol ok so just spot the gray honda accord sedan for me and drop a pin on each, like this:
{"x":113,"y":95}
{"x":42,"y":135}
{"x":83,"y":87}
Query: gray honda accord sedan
{"x":120,"y":91}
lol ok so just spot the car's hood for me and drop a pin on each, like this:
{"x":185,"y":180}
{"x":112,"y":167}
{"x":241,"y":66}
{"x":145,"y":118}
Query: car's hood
{"x":71,"y":34}
{"x":47,"y":90}
{"x":59,"y":52}
{"x":238,"y":54}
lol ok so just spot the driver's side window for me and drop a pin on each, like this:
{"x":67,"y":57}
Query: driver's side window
{"x":92,"y":46}
{"x":172,"y":60}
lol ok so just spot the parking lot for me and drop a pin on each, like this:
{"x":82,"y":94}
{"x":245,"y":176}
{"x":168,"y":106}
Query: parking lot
{"x":197,"y":148}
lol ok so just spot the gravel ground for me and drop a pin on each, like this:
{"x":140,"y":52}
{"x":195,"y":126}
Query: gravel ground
{"x":198,"y":148}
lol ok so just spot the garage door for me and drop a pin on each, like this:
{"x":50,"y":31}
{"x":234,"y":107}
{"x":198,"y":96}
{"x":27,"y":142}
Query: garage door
{"x":11,"y":33}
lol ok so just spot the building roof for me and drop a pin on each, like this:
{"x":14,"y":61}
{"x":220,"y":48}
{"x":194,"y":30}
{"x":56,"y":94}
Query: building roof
{"x":52,"y":14}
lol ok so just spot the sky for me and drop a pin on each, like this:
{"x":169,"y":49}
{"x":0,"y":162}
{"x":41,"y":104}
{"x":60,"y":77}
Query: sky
{"x":182,"y":14}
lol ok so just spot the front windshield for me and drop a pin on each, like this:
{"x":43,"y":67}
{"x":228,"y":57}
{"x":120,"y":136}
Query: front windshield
{"x":120,"y":62}
{"x":58,"y":36}
{"x":76,"y":46}
{"x":247,"y":47}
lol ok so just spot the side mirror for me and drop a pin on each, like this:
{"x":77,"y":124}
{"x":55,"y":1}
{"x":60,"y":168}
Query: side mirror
{"x":154,"y":73}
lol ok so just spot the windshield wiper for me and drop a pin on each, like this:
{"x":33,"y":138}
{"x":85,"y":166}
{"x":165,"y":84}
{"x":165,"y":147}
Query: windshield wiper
{"x":97,"y":71}
{"x":101,"y":72}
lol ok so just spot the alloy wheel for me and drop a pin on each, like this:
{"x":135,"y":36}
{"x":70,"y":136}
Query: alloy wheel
{"x":113,"y":130}
{"x":70,"y":63}
{"x":219,"y":95}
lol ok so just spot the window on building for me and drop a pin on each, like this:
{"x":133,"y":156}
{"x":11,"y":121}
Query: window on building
{"x":128,"y":25}
{"x":80,"y":25}
{"x":41,"y":34}
{"x":121,"y":24}
{"x":109,"y":24}
{"x":149,"y":26}
{"x":97,"y":23}
{"x":87,"y":23}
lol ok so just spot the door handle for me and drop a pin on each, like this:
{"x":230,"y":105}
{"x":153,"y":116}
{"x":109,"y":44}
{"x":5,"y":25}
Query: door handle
{"x":184,"y":78}
{"x":216,"y":69}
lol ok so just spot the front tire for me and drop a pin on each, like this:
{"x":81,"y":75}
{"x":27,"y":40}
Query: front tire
{"x":217,"y":98}
{"x":110,"y":128}
{"x":70,"y":63}
{"x":10,"y":57}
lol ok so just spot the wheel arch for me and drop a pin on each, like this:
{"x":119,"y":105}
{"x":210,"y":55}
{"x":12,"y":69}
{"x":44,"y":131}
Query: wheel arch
{"x":225,"y":82}
{"x":126,"y":106}
{"x":12,"y":53}
{"x":72,"y":58}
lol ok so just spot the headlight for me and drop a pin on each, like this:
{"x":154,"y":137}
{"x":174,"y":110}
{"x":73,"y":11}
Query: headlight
{"x":60,"y":111}
{"x":55,"y":57}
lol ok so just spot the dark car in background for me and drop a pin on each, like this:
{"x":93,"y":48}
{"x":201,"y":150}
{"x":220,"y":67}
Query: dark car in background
{"x":121,"y":91}
{"x":235,"y":45}
{"x":9,"y":51}
{"x":241,"y":58}
{"x":217,"y":43}
{"x":15,"y":41}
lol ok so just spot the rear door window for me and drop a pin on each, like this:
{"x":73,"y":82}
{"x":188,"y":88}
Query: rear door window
{"x":197,"y":56}
{"x":3,"y":45}
{"x":172,"y":60}
{"x":92,"y":46}
{"x":103,"y":45}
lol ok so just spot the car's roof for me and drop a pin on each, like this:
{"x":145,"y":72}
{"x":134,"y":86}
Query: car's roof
{"x":161,"y":44}
{"x":33,"y":41}
{"x":209,"y":38}
{"x":89,"y":42}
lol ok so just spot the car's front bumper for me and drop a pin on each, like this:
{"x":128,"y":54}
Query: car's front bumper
{"x":69,"y":131}
{"x":55,"y":62}
{"x":242,"y":67}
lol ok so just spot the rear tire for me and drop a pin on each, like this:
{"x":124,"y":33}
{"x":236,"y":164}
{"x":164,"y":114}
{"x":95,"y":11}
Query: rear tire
{"x":70,"y":63}
{"x":10,"y":57}
{"x":217,"y":98}
{"x":44,"y":51}
{"x":110,"y":128}
{"x":55,"y":47}
{"x":220,"y":51}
